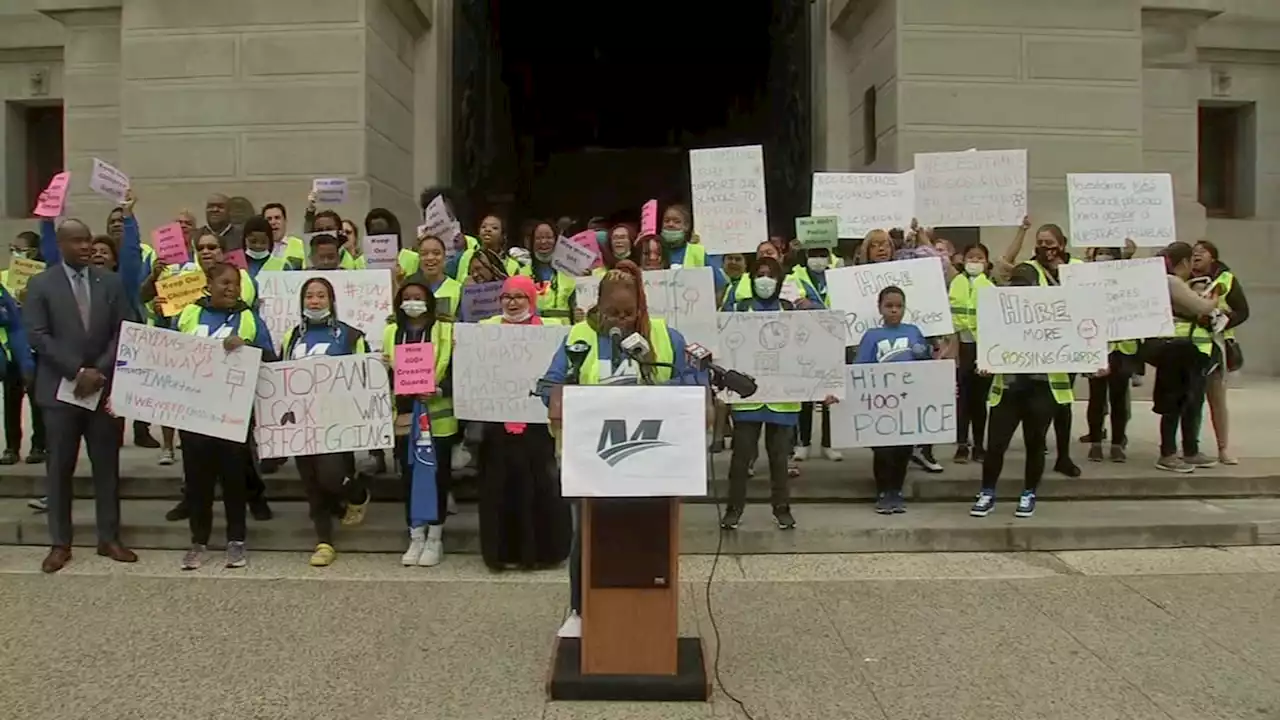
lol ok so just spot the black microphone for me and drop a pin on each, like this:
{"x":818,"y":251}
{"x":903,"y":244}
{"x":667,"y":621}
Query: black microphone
{"x":615,"y":343}
{"x":740,"y":384}
{"x":576,"y":353}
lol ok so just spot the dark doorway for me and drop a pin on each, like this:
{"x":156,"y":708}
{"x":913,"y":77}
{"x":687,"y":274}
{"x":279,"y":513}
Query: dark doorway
{"x":589,"y":109}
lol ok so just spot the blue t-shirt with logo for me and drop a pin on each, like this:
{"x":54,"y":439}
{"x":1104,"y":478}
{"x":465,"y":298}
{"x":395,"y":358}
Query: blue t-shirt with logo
{"x":901,"y":342}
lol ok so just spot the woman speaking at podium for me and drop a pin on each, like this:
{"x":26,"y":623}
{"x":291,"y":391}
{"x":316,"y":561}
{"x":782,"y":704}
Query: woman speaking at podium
{"x":606,"y":351}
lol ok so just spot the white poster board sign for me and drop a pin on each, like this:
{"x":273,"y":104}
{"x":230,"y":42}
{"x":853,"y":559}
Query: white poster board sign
{"x":363,"y":300}
{"x":865,"y":201}
{"x":794,"y":356}
{"x":634,"y":441}
{"x":1107,"y":208}
{"x":329,"y":191}
{"x":1135,"y":294}
{"x":855,"y":292}
{"x":108,"y":181}
{"x":1053,"y":329}
{"x":729,"y":198}
{"x":684,"y":297}
{"x":984,"y":188}
{"x":381,"y":252}
{"x":185,"y":382}
{"x":571,"y":258}
{"x":496,"y":367}
{"x":896,"y":403}
{"x":323,"y":404}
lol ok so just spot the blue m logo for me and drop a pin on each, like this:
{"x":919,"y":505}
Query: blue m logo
{"x":615,"y":446}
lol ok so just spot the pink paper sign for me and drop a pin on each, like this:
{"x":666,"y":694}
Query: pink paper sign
{"x":415,"y":369}
{"x":170,"y":244}
{"x":236,"y":258}
{"x":649,"y":218}
{"x":52,"y":198}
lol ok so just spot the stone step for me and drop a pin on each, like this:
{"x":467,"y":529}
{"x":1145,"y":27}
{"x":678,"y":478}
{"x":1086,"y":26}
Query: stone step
{"x":823,"y":528}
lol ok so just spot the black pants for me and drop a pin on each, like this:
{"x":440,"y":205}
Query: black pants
{"x":206,"y":463}
{"x":806,"y":424}
{"x":14,"y":391}
{"x":1062,"y":426}
{"x":1111,"y":390}
{"x":444,"y":473}
{"x":1179,"y":397}
{"x":777,"y":447}
{"x":255,"y":488}
{"x":889,"y":465}
{"x":329,"y":484}
{"x":972,"y":399}
{"x":1028,"y":403}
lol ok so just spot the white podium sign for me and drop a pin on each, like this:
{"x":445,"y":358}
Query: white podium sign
{"x":634,"y":441}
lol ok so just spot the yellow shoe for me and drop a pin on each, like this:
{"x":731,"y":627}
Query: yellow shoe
{"x":323,"y":556}
{"x":354,"y":514}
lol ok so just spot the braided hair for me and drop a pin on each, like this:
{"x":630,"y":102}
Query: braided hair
{"x":301,"y":330}
{"x":627,"y":274}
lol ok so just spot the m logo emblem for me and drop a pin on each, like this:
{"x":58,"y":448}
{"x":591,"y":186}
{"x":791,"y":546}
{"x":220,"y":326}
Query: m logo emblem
{"x":615,"y":446}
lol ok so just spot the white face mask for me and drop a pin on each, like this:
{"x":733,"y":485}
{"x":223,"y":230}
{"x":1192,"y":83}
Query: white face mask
{"x":258,"y":254}
{"x":414,"y":308}
{"x":818,"y":264}
{"x":1103,"y":258}
{"x":974,"y":269}
{"x":764,"y":286}
{"x":518,"y":317}
{"x":315,"y":315}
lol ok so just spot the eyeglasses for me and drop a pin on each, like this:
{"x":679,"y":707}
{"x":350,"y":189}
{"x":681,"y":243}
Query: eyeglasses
{"x":512,"y":298}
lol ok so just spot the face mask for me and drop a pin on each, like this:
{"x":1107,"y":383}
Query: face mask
{"x":543,"y":257}
{"x":258,"y":254}
{"x":20,"y":254}
{"x":414,"y":308}
{"x":518,"y":317}
{"x":765,"y":286}
{"x":1103,"y":258}
{"x":974,"y":269}
{"x":672,"y":237}
{"x":623,"y":255}
{"x":602,"y":237}
{"x":1043,"y":254}
{"x":818,"y":264}
{"x":315,"y":315}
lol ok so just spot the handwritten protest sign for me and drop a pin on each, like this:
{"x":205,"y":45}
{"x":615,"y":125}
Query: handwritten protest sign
{"x":496,"y":367}
{"x":415,"y":369}
{"x":1135,"y":294}
{"x":794,"y":356}
{"x":330,"y":191}
{"x":649,"y":218}
{"x":987,"y":188}
{"x":323,"y":404}
{"x":183,"y":381}
{"x":363,"y":300}
{"x":53,"y":196}
{"x":1107,"y":208}
{"x":855,"y":291}
{"x":575,"y":255}
{"x":865,"y":201}
{"x":684,"y":297}
{"x":381,"y":252}
{"x":896,"y":403}
{"x":1049,"y":329}
{"x":817,"y":232}
{"x":481,"y":300}
{"x":729,"y":198}
{"x":178,"y":291}
{"x":21,"y":270}
{"x":439,"y":222}
{"x":170,"y":244}
{"x":108,"y":181}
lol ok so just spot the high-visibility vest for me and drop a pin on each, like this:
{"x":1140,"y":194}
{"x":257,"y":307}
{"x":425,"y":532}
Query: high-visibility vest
{"x":554,"y":296}
{"x":801,"y":274}
{"x":1044,"y":274}
{"x":448,"y":296}
{"x":1059,"y":385}
{"x":1200,"y":336}
{"x":963,"y":294}
{"x":410,"y":262}
{"x":744,"y":291}
{"x":659,"y":340}
{"x":789,"y":407}
{"x":1225,"y":280}
{"x":189,"y":323}
{"x":694,"y":256}
{"x":439,"y":408}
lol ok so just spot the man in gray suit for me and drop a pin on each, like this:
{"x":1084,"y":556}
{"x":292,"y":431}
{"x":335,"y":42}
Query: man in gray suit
{"x":72,"y":315}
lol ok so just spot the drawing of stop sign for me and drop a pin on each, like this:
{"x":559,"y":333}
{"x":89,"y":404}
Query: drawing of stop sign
{"x":1088,"y":329}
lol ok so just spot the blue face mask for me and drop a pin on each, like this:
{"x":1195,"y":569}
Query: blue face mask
{"x":672,"y":237}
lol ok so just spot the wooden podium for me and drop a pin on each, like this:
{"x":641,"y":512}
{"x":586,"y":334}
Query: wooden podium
{"x":630,"y":647}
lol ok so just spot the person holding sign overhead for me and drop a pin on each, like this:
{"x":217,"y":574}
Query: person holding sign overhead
{"x":972,"y":386}
{"x":555,"y":288}
{"x":210,"y":461}
{"x":678,"y":238}
{"x":425,"y":425}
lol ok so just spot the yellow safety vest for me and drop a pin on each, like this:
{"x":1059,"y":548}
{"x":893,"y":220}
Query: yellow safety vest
{"x":351,"y":262}
{"x":1059,"y":385}
{"x":439,"y":408}
{"x":1225,"y":280}
{"x":694,"y":256}
{"x":1200,"y":336}
{"x":409,"y":261}
{"x":659,"y":340}
{"x":744,"y":291}
{"x":448,"y":296}
{"x":963,"y":294}
{"x":776,"y":407}
{"x":189,"y":321}
{"x":801,"y":275}
{"x":276,"y":263}
{"x":1044,"y":274}
{"x":553,"y":297}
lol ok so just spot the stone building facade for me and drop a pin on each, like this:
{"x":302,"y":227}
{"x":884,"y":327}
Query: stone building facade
{"x":194,"y":96}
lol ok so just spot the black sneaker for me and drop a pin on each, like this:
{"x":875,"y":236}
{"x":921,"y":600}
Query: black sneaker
{"x":962,"y":455}
{"x":923,"y":457}
{"x":884,"y":504}
{"x":899,"y":503}
{"x":978,"y":454}
{"x":732,"y":518}
{"x":179,"y":512}
{"x":260,"y":510}
{"x":144,"y":439}
{"x":37,"y":456}
{"x":9,"y":457}
{"x":1095,"y":452}
{"x":271,"y":465}
{"x":1066,"y":467}
{"x":782,"y":515}
{"x":1089,"y":439}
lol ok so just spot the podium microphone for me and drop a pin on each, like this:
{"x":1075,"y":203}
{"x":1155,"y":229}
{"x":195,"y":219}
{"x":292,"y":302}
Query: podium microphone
{"x":615,"y":344}
{"x":740,"y":384}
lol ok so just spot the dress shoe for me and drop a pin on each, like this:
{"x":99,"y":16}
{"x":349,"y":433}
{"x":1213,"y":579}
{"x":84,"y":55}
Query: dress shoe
{"x":117,"y":552}
{"x":58,"y":557}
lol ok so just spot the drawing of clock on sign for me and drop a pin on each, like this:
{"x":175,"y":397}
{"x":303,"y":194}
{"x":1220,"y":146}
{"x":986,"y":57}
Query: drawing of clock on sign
{"x":774,"y":335}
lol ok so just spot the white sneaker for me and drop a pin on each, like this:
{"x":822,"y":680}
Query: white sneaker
{"x":832,"y":454}
{"x":166,"y":457}
{"x":572,"y":627}
{"x":433,"y":547}
{"x":460,"y":458}
{"x":417,"y":541}
{"x":801,"y":454}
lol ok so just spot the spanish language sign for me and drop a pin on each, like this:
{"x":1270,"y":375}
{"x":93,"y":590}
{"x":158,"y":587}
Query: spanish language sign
{"x":729,"y":198}
{"x":865,"y":201}
{"x":855,"y":291}
{"x":323,"y":404}
{"x":183,"y":381}
{"x":1050,"y":329}
{"x":985,"y":188}
{"x":496,"y":369}
{"x":896,"y":403}
{"x":1134,"y":292}
{"x":1108,"y":208}
{"x":794,"y":356}
{"x":362,"y":297}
